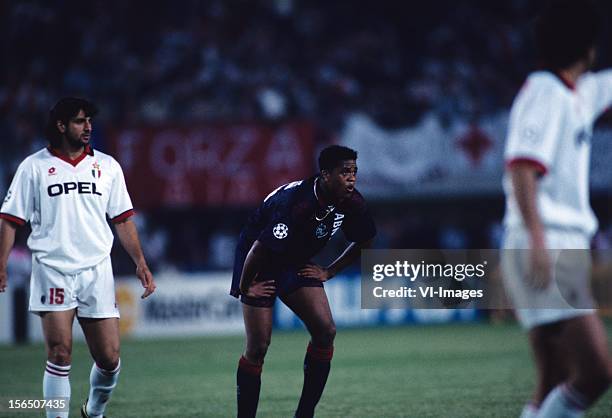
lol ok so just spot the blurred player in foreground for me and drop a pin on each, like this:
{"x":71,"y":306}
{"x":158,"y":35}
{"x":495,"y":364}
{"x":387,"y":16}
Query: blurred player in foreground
{"x":65,"y":191}
{"x":273,"y":259}
{"x":547,"y":189}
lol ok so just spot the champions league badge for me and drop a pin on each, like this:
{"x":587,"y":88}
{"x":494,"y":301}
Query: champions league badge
{"x":95,"y":171}
{"x":321,"y":231}
{"x":280,"y":231}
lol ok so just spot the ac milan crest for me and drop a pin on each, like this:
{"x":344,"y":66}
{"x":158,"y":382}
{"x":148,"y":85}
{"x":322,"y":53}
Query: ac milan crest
{"x":95,"y":171}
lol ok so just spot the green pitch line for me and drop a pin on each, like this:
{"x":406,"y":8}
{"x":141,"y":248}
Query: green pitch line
{"x":435,"y":371}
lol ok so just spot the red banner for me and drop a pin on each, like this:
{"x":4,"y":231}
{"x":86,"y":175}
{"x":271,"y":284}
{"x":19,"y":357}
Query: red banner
{"x":213,"y":165}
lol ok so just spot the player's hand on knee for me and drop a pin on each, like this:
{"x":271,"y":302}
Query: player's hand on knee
{"x":541,"y":268}
{"x":261,"y":289}
{"x":146,"y":278}
{"x":3,"y":279}
{"x":314,"y":271}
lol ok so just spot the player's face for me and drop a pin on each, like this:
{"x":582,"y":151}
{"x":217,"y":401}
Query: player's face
{"x":341,"y":180}
{"x":78,"y":131}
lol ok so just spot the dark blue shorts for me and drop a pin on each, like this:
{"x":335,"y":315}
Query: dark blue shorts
{"x":286,"y":280}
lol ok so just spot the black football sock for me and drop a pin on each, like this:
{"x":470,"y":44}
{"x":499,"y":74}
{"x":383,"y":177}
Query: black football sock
{"x":248,"y":380}
{"x":316,"y":369}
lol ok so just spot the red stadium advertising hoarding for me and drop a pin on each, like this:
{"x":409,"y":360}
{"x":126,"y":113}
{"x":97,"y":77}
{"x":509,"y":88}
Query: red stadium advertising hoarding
{"x":212,"y":165}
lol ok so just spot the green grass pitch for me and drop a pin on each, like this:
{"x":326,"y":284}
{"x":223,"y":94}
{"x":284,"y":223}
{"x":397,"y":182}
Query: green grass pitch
{"x":420,"y":371}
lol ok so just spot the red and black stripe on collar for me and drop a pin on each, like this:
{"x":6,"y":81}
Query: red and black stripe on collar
{"x":87,"y":151}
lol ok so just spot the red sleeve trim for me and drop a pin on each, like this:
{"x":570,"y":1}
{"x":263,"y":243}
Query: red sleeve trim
{"x":123,"y":216}
{"x":13,"y":219}
{"x":539,"y":166}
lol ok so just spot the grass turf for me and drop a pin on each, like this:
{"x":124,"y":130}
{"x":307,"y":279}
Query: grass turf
{"x":435,"y":371}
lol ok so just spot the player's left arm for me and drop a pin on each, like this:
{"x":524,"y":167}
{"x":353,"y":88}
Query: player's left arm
{"x":348,"y":256}
{"x":359,"y":229}
{"x":7,"y":239}
{"x":597,"y":87}
{"x":120,"y":210}
{"x":128,"y":236}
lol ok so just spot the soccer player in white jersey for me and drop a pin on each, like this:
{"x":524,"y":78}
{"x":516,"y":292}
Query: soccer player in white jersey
{"x":66,"y":191}
{"x":546,"y":184}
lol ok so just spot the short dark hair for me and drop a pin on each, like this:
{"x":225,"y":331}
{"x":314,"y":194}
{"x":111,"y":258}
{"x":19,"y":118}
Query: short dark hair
{"x":565,"y":31}
{"x":332,"y":156}
{"x":64,"y":110}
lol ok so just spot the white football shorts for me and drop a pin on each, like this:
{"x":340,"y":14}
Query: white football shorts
{"x":91,"y":291}
{"x":567,"y":296}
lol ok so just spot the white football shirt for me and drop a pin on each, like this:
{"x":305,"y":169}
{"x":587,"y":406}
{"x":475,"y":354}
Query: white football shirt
{"x":551,"y":124}
{"x":66,"y":203}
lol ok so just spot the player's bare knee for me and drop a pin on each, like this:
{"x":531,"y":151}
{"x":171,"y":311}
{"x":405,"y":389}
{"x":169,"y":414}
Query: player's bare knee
{"x":59,"y":354}
{"x":257,"y":351}
{"x":325,"y":337}
{"x":109,"y":361}
{"x":330,"y":333}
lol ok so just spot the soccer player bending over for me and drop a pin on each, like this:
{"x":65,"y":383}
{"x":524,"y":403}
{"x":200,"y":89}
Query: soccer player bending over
{"x":547,"y":189}
{"x":65,"y":191}
{"x":272,"y":259}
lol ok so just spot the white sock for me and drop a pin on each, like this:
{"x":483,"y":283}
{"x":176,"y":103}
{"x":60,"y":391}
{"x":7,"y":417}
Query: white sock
{"x":56,"y":384}
{"x":102,"y":382}
{"x":529,"y":411}
{"x":563,"y":402}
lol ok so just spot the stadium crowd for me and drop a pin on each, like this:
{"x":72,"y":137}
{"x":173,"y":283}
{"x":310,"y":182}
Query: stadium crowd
{"x":268,"y":60}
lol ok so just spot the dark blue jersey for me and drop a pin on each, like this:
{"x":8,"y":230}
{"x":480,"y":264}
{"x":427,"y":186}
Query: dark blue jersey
{"x":291,"y":222}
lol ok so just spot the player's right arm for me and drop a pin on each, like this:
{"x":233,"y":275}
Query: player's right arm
{"x":597,"y":89}
{"x":256,"y":258}
{"x":7,"y":239}
{"x":16,"y":209}
{"x":533,"y":136}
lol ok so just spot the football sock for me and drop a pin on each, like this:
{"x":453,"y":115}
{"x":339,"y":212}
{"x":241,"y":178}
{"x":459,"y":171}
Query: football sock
{"x":317,"y":364}
{"x":248,"y":381}
{"x":101,"y":385}
{"x":563,"y":402}
{"x":529,"y":411}
{"x":56,"y":385}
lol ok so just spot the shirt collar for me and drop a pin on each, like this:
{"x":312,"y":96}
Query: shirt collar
{"x":87,"y":151}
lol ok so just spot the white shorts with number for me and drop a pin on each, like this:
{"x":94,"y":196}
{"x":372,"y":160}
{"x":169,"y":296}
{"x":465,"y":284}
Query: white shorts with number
{"x":535,"y":307}
{"x":90,"y":291}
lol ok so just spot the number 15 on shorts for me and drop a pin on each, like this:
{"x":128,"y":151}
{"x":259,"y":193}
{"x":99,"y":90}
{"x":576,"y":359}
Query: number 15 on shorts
{"x":56,"y":296}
